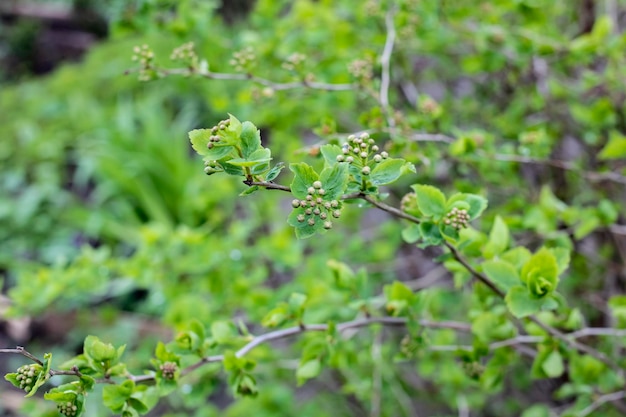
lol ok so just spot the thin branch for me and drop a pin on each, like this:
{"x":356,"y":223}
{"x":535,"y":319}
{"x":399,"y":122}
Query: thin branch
{"x":385,"y":61}
{"x":389,"y":209}
{"x":21,"y":351}
{"x":431,"y":137}
{"x":600,"y":401}
{"x":481,"y":277}
{"x":292,"y":331}
{"x":278,"y":86}
{"x":267,"y":185}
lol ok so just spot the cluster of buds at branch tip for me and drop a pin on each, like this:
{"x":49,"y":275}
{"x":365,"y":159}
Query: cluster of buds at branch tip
{"x":215,"y":130}
{"x":361,"y":69}
{"x":363,"y":149}
{"x":244,"y":60}
{"x":67,"y":409}
{"x":168,"y":370}
{"x":315,"y":206}
{"x":294,"y":61}
{"x":185,"y":53}
{"x":27,"y":375}
{"x":145,"y":57}
{"x":457,"y":218}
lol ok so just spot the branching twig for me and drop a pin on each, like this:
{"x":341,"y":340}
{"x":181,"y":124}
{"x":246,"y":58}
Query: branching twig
{"x":258,"y":80}
{"x":21,"y":351}
{"x":267,"y":185}
{"x":600,"y":401}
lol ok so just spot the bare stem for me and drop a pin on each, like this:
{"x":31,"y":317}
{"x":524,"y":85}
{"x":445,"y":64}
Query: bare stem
{"x":385,"y":61}
{"x":267,"y":185}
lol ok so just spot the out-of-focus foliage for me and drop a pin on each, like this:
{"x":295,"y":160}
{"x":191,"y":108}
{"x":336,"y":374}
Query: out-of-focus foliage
{"x":107,"y":218}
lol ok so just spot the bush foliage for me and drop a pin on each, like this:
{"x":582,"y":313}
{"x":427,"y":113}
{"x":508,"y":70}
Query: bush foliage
{"x":412,"y":208}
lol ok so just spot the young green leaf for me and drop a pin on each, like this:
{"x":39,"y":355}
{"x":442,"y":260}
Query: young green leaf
{"x":250,"y":139}
{"x":430,"y":200}
{"x":521,"y":303}
{"x":307,"y":370}
{"x":334,"y":181}
{"x":498,"y":239}
{"x":540,"y":273}
{"x":199,"y":139}
{"x":304,"y":177}
{"x":330,"y":154}
{"x":502,"y":273}
{"x":387,"y":171}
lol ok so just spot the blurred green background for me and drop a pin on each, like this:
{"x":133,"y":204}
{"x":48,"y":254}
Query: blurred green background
{"x":109,"y":226}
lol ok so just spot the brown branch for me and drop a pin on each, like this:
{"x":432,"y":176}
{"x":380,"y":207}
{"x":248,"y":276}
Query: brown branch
{"x":21,"y":351}
{"x":267,"y":185}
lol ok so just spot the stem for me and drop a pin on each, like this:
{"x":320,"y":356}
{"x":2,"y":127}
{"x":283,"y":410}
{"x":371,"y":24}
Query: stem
{"x":385,"y":61}
{"x":278,"y":86}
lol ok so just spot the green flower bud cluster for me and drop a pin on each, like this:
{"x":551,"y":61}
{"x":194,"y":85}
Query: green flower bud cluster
{"x":215,"y":130}
{"x":168,"y":370}
{"x":185,"y":53}
{"x":145,"y":57}
{"x":361,"y":69}
{"x":212,"y":167}
{"x":315,"y":207}
{"x":27,"y":375}
{"x":294,"y":61}
{"x":67,"y":409}
{"x":408,"y":204}
{"x":457,"y":218}
{"x":361,"y":151}
{"x":473,"y":369}
{"x":244,"y":60}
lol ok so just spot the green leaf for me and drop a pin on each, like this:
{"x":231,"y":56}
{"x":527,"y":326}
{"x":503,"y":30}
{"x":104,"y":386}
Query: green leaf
{"x":249,"y":190}
{"x":412,"y":233}
{"x":257,"y":157}
{"x":498,"y":239}
{"x":304,"y":229}
{"x":502,"y":273}
{"x":615,"y":147}
{"x":276,"y":316}
{"x":235,"y":125}
{"x":476,"y":204}
{"x":222,"y":332}
{"x":138,"y":405}
{"x":517,"y":256}
{"x":330,"y":153}
{"x":343,"y":274}
{"x":521,"y":303}
{"x":431,"y":235}
{"x":99,"y":351}
{"x":218,"y":152}
{"x":562,"y":256}
{"x":399,"y":297}
{"x":273,"y":173}
{"x":250,"y":140}
{"x":296,"y":302}
{"x":304,"y":177}
{"x":334,"y":181}
{"x":430,"y":200}
{"x":537,"y":410}
{"x":387,"y":171}
{"x":540,"y":273}
{"x":115,"y":396}
{"x":553,"y":365}
{"x":199,"y":139}
{"x":307,"y":370}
